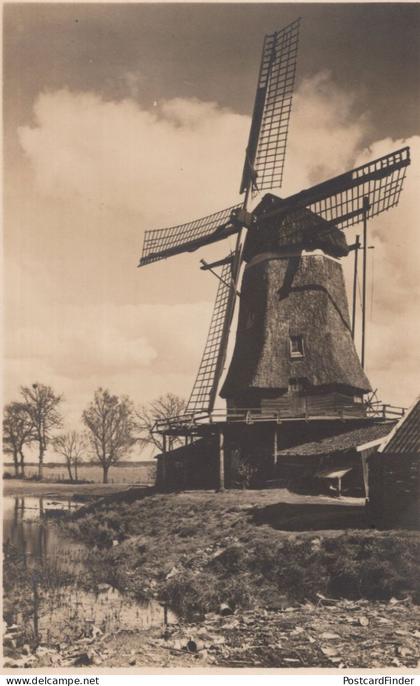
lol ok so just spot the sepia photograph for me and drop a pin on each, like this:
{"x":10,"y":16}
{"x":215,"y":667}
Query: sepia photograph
{"x":211,"y":374}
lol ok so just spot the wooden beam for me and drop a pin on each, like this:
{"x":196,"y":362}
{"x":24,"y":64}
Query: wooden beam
{"x":164,"y":462}
{"x":353,"y":318}
{"x":275,"y":445}
{"x":366,"y":209}
{"x":221,"y":460}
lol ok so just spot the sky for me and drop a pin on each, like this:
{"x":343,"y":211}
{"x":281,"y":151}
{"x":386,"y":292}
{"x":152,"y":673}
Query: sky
{"x":123,"y":117}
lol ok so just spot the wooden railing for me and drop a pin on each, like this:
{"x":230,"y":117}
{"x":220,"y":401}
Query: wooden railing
{"x":385,"y":410}
{"x":187,"y":423}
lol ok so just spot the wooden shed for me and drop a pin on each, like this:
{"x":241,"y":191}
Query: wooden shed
{"x":332,"y":462}
{"x":393,"y":475}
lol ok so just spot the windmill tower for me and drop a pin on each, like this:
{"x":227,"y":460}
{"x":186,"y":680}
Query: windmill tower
{"x":294,"y":357}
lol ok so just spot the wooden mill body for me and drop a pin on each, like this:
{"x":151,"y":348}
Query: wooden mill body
{"x":294,"y":352}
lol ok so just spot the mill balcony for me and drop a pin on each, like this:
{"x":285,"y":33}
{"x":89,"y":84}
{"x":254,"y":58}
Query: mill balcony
{"x":190,"y":424}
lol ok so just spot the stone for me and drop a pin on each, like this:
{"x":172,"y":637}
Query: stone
{"x":329,"y":651}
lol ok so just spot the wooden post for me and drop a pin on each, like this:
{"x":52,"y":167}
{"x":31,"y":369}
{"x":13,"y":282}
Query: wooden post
{"x":35,"y":596}
{"x":365,"y":211}
{"x":275,"y":445}
{"x":221,"y":460}
{"x":353,"y":318}
{"x":365,"y":469}
{"x":164,"y":475}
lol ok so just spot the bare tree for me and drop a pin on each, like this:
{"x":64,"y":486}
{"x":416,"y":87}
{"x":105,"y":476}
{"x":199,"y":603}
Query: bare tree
{"x":18,"y":431}
{"x":71,"y":446}
{"x":42,"y":402}
{"x":111,"y":426}
{"x":165,"y":406}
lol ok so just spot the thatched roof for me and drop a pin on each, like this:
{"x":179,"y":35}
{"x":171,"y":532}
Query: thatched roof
{"x":342,"y":442}
{"x":301,"y":229}
{"x":405,"y":438}
{"x":283,"y":297}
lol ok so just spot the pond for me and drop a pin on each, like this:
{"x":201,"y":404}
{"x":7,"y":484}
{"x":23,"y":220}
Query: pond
{"x":68,"y":609}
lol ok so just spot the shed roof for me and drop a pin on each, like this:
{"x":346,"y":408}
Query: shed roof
{"x":342,"y":442}
{"x":405,"y":438}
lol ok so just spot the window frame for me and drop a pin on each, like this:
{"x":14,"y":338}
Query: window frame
{"x":300,"y":351}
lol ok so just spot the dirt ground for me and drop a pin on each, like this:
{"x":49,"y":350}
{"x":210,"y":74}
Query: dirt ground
{"x":337,"y":635}
{"x":327,"y":635}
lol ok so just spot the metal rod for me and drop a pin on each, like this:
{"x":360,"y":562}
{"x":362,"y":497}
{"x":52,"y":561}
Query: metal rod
{"x":365,"y":211}
{"x":208,"y":268}
{"x":353,"y":318}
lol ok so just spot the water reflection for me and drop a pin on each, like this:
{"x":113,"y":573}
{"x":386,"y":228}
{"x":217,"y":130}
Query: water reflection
{"x":26,"y":527}
{"x":66,"y":609}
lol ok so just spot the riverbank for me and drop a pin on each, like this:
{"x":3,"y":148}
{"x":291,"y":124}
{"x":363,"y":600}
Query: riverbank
{"x":198,"y":549}
{"x":256,"y":578}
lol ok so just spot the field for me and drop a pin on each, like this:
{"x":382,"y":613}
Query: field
{"x":126,"y":473}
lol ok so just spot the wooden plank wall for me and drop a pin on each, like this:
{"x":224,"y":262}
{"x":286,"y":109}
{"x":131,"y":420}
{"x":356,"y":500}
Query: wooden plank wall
{"x":312,"y":405}
{"x":394,"y":490}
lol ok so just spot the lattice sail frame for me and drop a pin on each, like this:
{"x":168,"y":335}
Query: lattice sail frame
{"x":380,"y":181}
{"x":340,"y":201}
{"x":205,"y":385}
{"x":161,"y":243}
{"x":266,"y":150}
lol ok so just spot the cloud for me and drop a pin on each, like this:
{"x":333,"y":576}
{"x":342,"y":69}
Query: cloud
{"x":80,"y":315}
{"x":393,"y":332}
{"x":171,"y":162}
{"x":324,"y":132}
{"x":143,"y":350}
{"x":111,"y":340}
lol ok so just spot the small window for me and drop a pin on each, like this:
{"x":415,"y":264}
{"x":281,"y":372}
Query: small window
{"x":295,"y":386}
{"x":296,"y":346}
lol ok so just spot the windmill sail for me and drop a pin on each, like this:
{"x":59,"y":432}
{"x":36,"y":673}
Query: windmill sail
{"x":161,"y":243}
{"x":205,"y":386}
{"x":340,"y":200}
{"x":266,"y":150}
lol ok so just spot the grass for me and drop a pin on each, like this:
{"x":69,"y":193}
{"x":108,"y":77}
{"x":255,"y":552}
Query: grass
{"x":18,"y":487}
{"x":198,"y":549}
{"x":119,"y":474}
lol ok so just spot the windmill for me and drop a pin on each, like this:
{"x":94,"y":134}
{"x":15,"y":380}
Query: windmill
{"x":294,"y":353}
